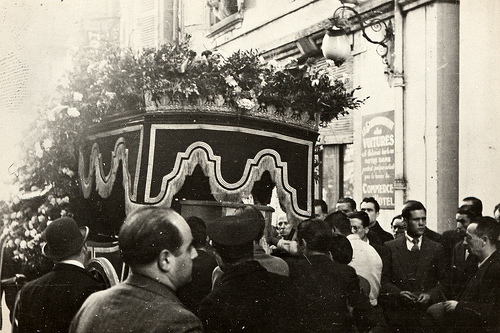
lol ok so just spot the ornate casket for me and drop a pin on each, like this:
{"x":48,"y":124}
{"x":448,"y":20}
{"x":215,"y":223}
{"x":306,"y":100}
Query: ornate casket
{"x":176,"y":156}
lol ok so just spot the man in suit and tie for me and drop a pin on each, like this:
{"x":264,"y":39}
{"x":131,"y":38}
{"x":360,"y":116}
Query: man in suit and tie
{"x":377,"y":235}
{"x":49,"y":303}
{"x":416,"y":268}
{"x":478,"y":307}
{"x":463,"y":262}
{"x":450,"y":238}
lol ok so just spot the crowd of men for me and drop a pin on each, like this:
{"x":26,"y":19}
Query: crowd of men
{"x":336,"y":272}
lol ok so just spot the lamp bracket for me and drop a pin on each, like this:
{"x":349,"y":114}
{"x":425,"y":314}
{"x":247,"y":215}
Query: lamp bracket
{"x":344,"y":15}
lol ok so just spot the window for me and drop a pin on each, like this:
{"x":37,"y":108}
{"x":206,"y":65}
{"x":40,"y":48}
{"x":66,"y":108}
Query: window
{"x":224,"y":15}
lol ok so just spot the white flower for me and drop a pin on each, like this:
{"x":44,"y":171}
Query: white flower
{"x":33,"y":233}
{"x":66,"y":198}
{"x":19,"y":215}
{"x":30,"y":225}
{"x":245,"y":103}
{"x":23,"y":244}
{"x":68,"y":172}
{"x":27,"y":233}
{"x":73,"y":112}
{"x":110,"y":95}
{"x":13,"y":215}
{"x":231,"y":81}
{"x":31,"y":244}
{"x":77,"y":96}
{"x":59,"y":201}
{"x":17,"y":241}
{"x":47,"y":143}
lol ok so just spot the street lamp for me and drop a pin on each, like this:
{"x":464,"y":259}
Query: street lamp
{"x":336,"y":45}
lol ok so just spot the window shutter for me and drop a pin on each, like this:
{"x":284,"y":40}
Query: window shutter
{"x":148,"y":23}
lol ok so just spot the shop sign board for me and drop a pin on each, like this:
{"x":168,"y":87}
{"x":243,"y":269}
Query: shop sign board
{"x":377,"y":158}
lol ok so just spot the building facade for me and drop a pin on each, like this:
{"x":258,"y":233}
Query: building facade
{"x":429,"y":114}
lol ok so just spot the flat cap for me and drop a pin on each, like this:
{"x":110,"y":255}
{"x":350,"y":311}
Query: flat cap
{"x":233,"y":230}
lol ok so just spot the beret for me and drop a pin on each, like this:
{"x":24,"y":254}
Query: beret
{"x":233,"y":230}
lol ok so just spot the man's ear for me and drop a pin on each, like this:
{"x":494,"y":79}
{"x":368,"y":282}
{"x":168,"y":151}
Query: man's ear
{"x":302,"y":242}
{"x":164,"y":260}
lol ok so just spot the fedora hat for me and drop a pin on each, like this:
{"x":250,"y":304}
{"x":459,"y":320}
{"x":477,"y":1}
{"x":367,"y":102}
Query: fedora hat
{"x":63,"y":238}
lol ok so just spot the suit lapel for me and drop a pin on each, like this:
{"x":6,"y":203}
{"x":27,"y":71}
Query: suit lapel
{"x":424,"y":259}
{"x":403,"y":255}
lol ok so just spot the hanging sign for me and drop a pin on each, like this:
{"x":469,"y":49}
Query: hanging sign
{"x":377,"y":158}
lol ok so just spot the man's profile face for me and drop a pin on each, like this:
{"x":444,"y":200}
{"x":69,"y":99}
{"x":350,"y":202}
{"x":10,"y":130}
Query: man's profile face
{"x":463,"y":222}
{"x":472,"y":241}
{"x":417,"y":223}
{"x":183,"y":261}
{"x":343,"y":207}
{"x":369,"y":208}
{"x":318,"y":213}
{"x":357,"y":228}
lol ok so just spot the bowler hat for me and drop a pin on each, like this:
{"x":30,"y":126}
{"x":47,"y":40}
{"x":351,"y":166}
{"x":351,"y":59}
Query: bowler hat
{"x":234,"y":230}
{"x":63,"y":238}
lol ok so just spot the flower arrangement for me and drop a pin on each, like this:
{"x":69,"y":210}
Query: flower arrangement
{"x":23,"y":225}
{"x":110,"y":81}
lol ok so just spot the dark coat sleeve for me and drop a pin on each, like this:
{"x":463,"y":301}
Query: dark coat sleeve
{"x":363,"y":312}
{"x":486,"y":305}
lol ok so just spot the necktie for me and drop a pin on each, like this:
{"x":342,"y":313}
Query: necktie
{"x":415,"y":247}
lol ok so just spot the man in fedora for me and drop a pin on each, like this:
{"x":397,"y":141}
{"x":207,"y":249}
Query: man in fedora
{"x":248,"y":297}
{"x":49,"y":303}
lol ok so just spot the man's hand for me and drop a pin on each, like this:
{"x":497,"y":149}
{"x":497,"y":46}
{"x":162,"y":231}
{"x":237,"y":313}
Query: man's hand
{"x":450,"y":305}
{"x":424,"y":298}
{"x":409,"y":295}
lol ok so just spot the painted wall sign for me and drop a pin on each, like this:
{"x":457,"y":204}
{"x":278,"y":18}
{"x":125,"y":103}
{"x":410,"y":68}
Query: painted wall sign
{"x":377,"y":158}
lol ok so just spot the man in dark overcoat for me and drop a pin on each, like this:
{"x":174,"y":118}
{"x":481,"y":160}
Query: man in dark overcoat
{"x":249,"y":298}
{"x":477,"y":309}
{"x":49,"y":303}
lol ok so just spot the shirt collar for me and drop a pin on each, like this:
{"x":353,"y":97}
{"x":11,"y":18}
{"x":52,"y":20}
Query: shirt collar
{"x":72,"y":262}
{"x":482,"y":262}
{"x":409,"y":242}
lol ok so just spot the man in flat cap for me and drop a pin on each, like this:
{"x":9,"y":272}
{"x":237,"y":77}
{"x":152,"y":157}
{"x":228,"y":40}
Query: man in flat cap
{"x":49,"y":303}
{"x":249,"y":297}
{"x":157,"y":245}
